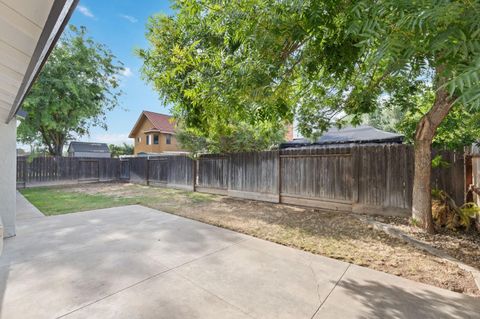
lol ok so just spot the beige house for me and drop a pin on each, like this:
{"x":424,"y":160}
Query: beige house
{"x":154,"y":133}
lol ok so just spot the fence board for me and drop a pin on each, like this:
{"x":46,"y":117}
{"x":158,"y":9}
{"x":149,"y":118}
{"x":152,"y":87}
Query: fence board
{"x":124,"y":170}
{"x":212,"y":171}
{"x":254,"y":175}
{"x":138,"y":170}
{"x":323,"y":174}
{"x":181,"y":172}
{"x":451,"y":176}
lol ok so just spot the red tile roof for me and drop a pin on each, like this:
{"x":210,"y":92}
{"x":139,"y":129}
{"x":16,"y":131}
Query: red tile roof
{"x":160,"y":122}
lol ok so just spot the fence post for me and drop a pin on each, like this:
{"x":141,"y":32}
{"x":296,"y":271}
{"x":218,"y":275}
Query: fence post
{"x":229,"y":172}
{"x":194,"y":173}
{"x":147,"y":172}
{"x":356,"y":156}
{"x":279,"y":177}
{"x":26,"y":167}
{"x":119,"y":164}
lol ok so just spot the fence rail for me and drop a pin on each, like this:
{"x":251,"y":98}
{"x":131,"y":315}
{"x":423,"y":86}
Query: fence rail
{"x":359,"y":178}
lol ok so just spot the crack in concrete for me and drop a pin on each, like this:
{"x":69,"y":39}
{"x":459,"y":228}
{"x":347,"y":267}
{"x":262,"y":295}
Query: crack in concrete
{"x":316,"y":280}
{"x":215,"y":295}
{"x":330,"y":292}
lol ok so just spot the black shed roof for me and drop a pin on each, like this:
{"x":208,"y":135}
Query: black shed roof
{"x":88,"y":147}
{"x":357,"y":135}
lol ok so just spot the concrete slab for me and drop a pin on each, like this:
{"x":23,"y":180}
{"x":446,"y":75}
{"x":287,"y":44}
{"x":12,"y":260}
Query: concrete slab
{"x":263,"y":285}
{"x":136,"y":262}
{"x":51,"y":286}
{"x":166,"y":296}
{"x":177,"y":240}
{"x":365,"y":293}
{"x":25,"y":210}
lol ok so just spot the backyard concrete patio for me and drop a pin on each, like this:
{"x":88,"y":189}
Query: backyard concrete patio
{"x":136,"y":262}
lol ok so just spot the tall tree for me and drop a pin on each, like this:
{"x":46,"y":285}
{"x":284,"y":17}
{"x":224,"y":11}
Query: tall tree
{"x":321,"y":62}
{"x":75,"y":89}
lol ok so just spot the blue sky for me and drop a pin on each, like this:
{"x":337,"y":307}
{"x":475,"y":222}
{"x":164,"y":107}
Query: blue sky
{"x":120,"y":24}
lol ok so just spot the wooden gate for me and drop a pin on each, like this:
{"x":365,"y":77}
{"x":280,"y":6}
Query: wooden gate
{"x":88,"y":170}
{"x":124,"y":170}
{"x":157,"y":170}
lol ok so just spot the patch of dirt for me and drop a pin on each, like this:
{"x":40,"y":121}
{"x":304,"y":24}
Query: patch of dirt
{"x":463,"y":245}
{"x":332,"y":234}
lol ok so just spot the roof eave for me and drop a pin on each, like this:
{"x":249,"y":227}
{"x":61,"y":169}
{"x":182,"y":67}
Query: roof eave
{"x":159,"y":131}
{"x":57,"y":20}
{"x":134,"y":129}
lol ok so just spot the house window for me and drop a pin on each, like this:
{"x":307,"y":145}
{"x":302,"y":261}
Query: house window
{"x":168,"y":139}
{"x":148,"y":140}
{"x":139,"y":139}
{"x":155,"y":139}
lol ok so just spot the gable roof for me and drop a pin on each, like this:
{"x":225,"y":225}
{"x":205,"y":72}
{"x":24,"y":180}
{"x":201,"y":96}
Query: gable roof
{"x":160,"y":122}
{"x":358,"y":135}
{"x":88,"y":147}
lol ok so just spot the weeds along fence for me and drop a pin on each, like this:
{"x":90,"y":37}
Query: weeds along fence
{"x":358,"y":178}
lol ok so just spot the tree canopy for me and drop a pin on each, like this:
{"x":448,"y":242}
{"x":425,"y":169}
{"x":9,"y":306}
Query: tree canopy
{"x":117,"y":150}
{"x":239,"y":137}
{"x":322,"y":62}
{"x":75,"y":89}
{"x":460,"y":128}
{"x":223,"y":61}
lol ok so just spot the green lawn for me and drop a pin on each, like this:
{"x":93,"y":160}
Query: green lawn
{"x":56,"y":201}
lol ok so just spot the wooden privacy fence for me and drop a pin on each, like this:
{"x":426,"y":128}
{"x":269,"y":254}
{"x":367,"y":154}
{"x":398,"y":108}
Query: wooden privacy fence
{"x":358,"y":178}
{"x":63,"y":170}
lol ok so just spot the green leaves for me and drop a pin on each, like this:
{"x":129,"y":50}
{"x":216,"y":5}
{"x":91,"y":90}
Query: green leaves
{"x":239,"y":137}
{"x":124,"y":149}
{"x":220,"y":63}
{"x":76,"y":87}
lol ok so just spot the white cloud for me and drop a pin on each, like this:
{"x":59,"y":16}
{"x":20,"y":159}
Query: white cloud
{"x":129,"y":18}
{"x":127,"y":72}
{"x":85,"y":11}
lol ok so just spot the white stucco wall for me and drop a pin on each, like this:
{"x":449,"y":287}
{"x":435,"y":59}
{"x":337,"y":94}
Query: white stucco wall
{"x":8,"y":158}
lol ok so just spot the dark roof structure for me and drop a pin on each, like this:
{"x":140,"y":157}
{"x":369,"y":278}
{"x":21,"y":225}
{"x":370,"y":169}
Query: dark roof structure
{"x":88,"y":147}
{"x":349,"y":135}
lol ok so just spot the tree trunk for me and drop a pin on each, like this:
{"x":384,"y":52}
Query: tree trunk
{"x":422,"y":195}
{"x":426,"y":128}
{"x":53,"y":141}
{"x":59,"y":150}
